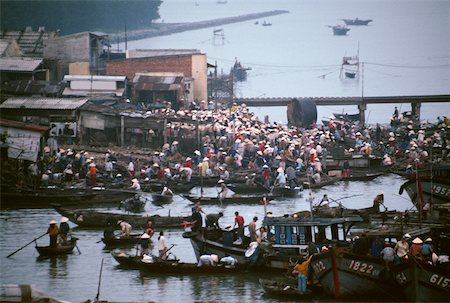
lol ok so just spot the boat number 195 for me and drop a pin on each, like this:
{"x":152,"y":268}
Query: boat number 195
{"x":440,"y":281}
{"x":361,"y":267}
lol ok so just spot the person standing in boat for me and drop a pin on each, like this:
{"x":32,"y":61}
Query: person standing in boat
{"x":162,"y":245}
{"x":108,"y":233}
{"x":252,"y":229}
{"x":64,"y":230}
{"x":223,"y":192}
{"x":149,"y":229}
{"x":416,"y":247}
{"x":125,"y":228}
{"x":239,"y":221}
{"x":402,"y":248}
{"x":301,"y":270}
{"x":53,"y":232}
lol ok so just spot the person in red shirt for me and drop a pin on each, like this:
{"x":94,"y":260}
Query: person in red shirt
{"x":266,"y":176}
{"x":188,"y":162}
{"x":239,"y":221}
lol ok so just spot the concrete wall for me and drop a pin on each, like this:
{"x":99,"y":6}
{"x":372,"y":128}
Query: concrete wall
{"x":72,"y":48}
{"x":79,"y":68}
{"x":200,"y":75}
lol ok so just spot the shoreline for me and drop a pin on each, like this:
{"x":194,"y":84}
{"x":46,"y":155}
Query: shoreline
{"x":163,"y":29}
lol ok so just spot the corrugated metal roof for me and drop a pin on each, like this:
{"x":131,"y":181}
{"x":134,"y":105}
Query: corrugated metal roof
{"x":19,"y":64}
{"x":93,"y":78}
{"x":158,"y":83}
{"x":43,"y":103}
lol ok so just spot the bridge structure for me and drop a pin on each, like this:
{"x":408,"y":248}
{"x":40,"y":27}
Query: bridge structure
{"x":360,"y":102}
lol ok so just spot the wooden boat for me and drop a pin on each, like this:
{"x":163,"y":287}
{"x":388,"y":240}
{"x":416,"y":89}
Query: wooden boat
{"x":242,"y":188}
{"x":339,"y":30}
{"x":435,"y":186}
{"x":266,"y":23}
{"x":282,"y":290}
{"x":357,"y":21}
{"x":157,"y":187}
{"x":288,"y":240}
{"x":57,"y":250}
{"x":172,"y":267}
{"x":346,"y":275}
{"x":423,"y":282}
{"x":118,"y":241}
{"x":357,"y":176}
{"x":162,"y":199}
{"x":94,"y":219}
{"x":236,"y":199}
{"x":325,"y":181}
{"x":133,"y":205}
{"x":287,"y":191}
{"x":44,"y":197}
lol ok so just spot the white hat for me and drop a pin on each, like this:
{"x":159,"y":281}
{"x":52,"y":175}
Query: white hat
{"x":134,"y":180}
{"x":265,"y":166}
{"x":407,"y":236}
{"x":64,"y":219}
{"x":188,"y":159}
{"x":220,"y":181}
{"x":417,"y":241}
{"x":119,"y":175}
{"x":92,"y":165}
{"x":53,"y":222}
{"x":205,"y":159}
{"x":197,"y":152}
{"x":429,"y":240}
{"x":215,"y":258}
{"x":145,"y":236}
{"x":280,"y":169}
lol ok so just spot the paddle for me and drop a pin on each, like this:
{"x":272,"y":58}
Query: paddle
{"x":165,"y":253}
{"x":79,"y":251}
{"x":25,"y":245}
{"x":99,"y":282}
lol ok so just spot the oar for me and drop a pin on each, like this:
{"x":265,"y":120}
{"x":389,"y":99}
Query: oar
{"x":165,"y":253}
{"x":25,"y":245}
{"x":99,"y":282}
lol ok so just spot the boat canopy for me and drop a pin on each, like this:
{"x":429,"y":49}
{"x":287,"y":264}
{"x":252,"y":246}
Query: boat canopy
{"x":301,"y":231}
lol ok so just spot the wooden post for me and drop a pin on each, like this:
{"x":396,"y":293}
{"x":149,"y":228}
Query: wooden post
{"x":337,"y":291}
{"x":122,"y":131}
{"x":165,"y":129}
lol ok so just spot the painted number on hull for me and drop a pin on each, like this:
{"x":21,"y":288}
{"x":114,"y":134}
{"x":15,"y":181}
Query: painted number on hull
{"x":441,"y":190}
{"x":319,"y":267}
{"x":361,"y":267}
{"x":440,"y":281}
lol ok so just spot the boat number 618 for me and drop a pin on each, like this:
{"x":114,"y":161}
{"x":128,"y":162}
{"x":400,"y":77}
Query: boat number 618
{"x":440,"y":281}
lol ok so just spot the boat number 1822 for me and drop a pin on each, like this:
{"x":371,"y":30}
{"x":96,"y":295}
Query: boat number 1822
{"x":361,"y":267}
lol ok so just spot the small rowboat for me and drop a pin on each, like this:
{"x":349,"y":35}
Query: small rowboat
{"x":57,"y":250}
{"x":162,"y":199}
{"x":236,"y":199}
{"x":283,"y":290}
{"x":122,"y":241}
{"x":172,"y":267}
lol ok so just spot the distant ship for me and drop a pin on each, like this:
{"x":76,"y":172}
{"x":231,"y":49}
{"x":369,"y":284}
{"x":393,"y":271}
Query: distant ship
{"x":239,"y":72}
{"x":357,"y":21}
{"x":339,"y":30}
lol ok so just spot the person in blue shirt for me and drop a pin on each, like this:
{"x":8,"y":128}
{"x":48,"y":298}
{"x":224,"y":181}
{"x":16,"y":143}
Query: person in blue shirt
{"x":427,"y":250}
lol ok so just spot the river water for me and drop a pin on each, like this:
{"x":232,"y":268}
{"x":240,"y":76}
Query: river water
{"x":75,"y":277}
{"x":405,"y":50}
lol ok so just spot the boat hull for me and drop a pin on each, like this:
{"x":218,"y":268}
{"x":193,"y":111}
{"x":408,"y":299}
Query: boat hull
{"x":353,"y":277}
{"x":423,"y":283}
{"x":47,"y":251}
{"x":94,"y":219}
{"x":172,"y":267}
